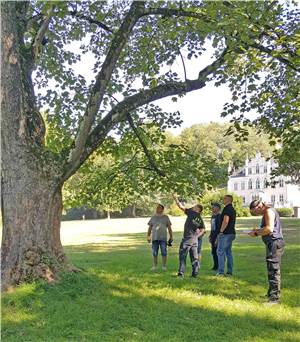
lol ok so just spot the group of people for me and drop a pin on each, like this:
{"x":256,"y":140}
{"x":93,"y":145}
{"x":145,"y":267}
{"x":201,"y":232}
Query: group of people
{"x":222,"y":235}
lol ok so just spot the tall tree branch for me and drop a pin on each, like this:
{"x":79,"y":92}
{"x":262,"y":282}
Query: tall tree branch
{"x":146,"y":151}
{"x":37,"y":43}
{"x":91,"y":20}
{"x":131,"y":103}
{"x":120,"y":39}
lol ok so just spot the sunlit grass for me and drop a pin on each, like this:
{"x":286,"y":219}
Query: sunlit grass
{"x":117,"y":298}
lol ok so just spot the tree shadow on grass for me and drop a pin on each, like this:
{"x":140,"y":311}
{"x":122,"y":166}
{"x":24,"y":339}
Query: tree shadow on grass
{"x":249,"y":282}
{"x":112,"y":307}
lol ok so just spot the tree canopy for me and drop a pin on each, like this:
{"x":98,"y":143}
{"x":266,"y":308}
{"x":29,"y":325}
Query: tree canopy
{"x":135,"y":45}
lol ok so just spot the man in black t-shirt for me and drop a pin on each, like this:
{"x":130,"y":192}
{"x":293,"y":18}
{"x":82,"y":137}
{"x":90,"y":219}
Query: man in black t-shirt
{"x":226,"y":236}
{"x":193,"y":229}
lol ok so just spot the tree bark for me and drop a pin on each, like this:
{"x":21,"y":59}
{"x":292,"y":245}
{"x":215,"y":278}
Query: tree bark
{"x":31,"y":200}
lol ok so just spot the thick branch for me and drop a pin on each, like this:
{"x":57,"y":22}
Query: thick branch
{"x":146,"y":151}
{"x":168,"y":12}
{"x":118,"y":113}
{"x":102,"y":79}
{"x":41,"y":33}
{"x":91,"y":21}
{"x":274,"y":54}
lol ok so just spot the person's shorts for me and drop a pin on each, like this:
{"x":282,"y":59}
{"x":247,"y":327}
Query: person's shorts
{"x":163,"y":247}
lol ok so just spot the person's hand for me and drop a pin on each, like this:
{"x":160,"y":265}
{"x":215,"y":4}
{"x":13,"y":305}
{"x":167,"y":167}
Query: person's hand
{"x":169,"y":243}
{"x":253,"y":233}
{"x":149,"y":239}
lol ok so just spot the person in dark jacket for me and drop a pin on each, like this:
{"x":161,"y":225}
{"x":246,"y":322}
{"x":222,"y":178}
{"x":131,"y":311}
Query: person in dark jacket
{"x":215,"y":223}
{"x":271,"y":232}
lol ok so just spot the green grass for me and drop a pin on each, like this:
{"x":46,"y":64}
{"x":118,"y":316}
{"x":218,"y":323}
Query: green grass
{"x":117,"y":298}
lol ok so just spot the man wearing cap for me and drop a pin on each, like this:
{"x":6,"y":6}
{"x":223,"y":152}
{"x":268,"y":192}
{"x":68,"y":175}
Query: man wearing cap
{"x":215,"y":223}
{"x":271,"y":232}
{"x":159,"y":225}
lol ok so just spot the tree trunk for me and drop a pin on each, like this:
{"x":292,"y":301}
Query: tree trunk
{"x":133,"y":210}
{"x":31,"y":183}
{"x":31,"y":246}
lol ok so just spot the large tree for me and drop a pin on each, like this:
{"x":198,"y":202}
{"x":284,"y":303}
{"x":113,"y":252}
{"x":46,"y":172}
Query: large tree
{"x":134,"y":45}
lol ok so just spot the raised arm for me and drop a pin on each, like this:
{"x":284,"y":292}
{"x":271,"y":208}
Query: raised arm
{"x":180,"y":205}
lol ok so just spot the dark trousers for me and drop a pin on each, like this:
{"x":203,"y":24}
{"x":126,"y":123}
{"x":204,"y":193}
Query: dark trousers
{"x":214,"y":254}
{"x":188,"y":246}
{"x":274,"y":251}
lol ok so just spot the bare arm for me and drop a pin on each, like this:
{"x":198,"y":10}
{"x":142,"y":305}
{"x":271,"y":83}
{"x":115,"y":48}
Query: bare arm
{"x":149,"y":233}
{"x":170,"y":232}
{"x":180,"y":205}
{"x":268,"y":228}
{"x":224,"y":223}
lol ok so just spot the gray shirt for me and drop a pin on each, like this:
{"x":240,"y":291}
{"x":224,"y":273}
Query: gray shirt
{"x":159,"y":225}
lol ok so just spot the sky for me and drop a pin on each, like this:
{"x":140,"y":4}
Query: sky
{"x":200,"y":106}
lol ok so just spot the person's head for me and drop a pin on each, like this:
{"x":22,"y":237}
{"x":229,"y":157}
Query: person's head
{"x":215,"y":208}
{"x":160,"y":209}
{"x":257,"y":207}
{"x":228,"y":199}
{"x":197,"y":208}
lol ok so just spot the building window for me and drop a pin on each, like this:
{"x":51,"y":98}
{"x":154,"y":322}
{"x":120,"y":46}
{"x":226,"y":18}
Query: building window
{"x":272,"y":199}
{"x":243,"y":185}
{"x":244,"y":200}
{"x":265,"y":183}
{"x":250,"y":184}
{"x":257,"y":168}
{"x":255,"y":197}
{"x":250,"y":170}
{"x":257,"y":184}
{"x":281,"y":198}
{"x":281,"y":183}
{"x":235,"y":186}
{"x":265,"y":169}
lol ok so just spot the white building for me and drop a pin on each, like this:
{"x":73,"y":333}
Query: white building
{"x":252,"y":181}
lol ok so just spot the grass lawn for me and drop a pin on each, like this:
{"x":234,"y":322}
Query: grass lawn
{"x":117,"y":298}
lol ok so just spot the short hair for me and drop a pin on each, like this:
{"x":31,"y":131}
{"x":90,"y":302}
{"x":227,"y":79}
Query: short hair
{"x":217,"y":205}
{"x":199,"y":206}
{"x":160,"y":205}
{"x":230,"y":197}
{"x":254,"y":204}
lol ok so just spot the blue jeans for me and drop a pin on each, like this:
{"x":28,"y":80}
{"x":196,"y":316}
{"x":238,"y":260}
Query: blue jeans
{"x":163,"y":247}
{"x":224,"y":251}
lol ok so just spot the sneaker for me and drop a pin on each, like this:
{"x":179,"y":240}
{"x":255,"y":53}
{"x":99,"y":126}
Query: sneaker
{"x":164,"y":268}
{"x":153,"y":268}
{"x":228,"y":274}
{"x":194,"y":275}
{"x":271,"y":302}
{"x":180,"y":275}
{"x":219,"y":274}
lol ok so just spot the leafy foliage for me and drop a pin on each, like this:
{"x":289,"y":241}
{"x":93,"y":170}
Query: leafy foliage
{"x":256,"y":54}
{"x":119,"y":174}
{"x":216,"y":196}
